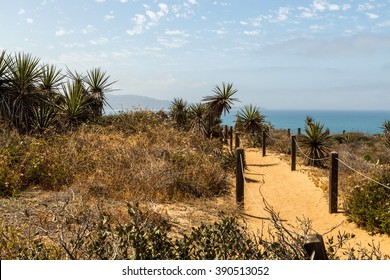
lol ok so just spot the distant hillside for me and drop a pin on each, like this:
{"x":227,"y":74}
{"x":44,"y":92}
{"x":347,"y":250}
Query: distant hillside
{"x":131,"y":102}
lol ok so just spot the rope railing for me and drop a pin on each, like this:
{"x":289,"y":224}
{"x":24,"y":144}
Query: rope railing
{"x":274,"y":139}
{"x":249,"y":190}
{"x":361,"y":174}
{"x":309,"y":158}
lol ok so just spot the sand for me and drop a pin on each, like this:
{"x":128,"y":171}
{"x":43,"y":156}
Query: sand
{"x":293,"y":194}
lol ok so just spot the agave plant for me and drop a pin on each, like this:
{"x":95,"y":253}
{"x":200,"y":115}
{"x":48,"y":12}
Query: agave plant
{"x":316,"y":141}
{"x":251,"y":118}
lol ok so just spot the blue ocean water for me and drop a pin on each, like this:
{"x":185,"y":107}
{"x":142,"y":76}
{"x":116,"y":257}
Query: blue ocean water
{"x":369,"y":122}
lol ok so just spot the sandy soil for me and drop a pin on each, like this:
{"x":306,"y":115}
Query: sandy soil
{"x":292,"y":195}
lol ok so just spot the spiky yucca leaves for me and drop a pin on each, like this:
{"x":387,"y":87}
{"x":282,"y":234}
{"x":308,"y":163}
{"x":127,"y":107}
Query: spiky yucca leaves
{"x":50,"y":80}
{"x":98,"y":84}
{"x":222,"y":100}
{"x":178,"y":111}
{"x":197,"y":114}
{"x":24,"y":74}
{"x":75,"y":103}
{"x":316,"y":141}
{"x":44,"y":116}
{"x":251,"y":118}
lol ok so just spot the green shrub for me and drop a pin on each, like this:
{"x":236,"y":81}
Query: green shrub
{"x":369,"y":207}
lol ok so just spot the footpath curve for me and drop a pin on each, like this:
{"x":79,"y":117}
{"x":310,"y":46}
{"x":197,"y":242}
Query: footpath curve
{"x":293,"y":195}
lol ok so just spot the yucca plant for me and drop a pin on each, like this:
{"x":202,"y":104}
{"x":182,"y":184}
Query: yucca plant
{"x":251,"y":118}
{"x":44,"y":116}
{"x":98,"y":84}
{"x":75,"y":103}
{"x":178,"y":111}
{"x":197,"y":114}
{"x":219,"y":103}
{"x":316,"y":142}
{"x":22,"y":94}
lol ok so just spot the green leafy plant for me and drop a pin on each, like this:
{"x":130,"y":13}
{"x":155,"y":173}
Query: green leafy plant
{"x":316,"y":142}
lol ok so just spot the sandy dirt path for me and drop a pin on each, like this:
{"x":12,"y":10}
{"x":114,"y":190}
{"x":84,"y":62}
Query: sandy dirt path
{"x":292,"y":195}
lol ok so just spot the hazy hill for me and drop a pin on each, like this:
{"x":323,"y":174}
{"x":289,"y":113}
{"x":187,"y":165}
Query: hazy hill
{"x":131,"y":102}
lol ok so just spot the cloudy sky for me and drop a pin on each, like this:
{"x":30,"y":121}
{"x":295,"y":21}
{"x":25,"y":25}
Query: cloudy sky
{"x":279,"y":54}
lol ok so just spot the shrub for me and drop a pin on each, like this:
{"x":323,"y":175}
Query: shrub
{"x":369,"y":206}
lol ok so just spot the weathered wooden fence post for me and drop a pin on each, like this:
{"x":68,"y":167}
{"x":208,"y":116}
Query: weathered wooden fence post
{"x":240,"y":176}
{"x":231,"y":138}
{"x":293,"y":152}
{"x":264,"y":142}
{"x":299,"y":131}
{"x":225,"y":134}
{"x":315,"y":247}
{"x":288,"y":133}
{"x":238,"y":134}
{"x":333,"y":182}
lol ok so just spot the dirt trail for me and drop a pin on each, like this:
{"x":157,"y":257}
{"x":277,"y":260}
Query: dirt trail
{"x":292,"y":195}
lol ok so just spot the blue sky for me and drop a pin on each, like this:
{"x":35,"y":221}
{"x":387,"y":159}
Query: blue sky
{"x":316,"y":54}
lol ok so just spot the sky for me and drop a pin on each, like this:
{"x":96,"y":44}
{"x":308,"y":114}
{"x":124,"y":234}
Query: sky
{"x":317,"y":54}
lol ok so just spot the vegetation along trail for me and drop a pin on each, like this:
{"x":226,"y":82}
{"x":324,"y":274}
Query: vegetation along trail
{"x":294,"y":195}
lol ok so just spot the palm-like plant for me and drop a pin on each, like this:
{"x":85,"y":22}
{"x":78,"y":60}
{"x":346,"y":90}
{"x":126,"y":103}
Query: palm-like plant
{"x":222,"y":100}
{"x":75,"y":104}
{"x":251,"y":118}
{"x":98,"y":84}
{"x":197,"y":113}
{"x":316,"y":141}
{"x":22,"y":94}
{"x":219,"y":103}
{"x":178,"y":111}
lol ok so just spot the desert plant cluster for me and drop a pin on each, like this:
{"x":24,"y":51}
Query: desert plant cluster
{"x":77,"y":184}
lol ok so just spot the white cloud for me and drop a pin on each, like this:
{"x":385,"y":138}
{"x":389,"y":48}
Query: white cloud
{"x":282,"y":14}
{"x":139,"y":25}
{"x":100,"y":1}
{"x":384,"y":24}
{"x":21,"y":11}
{"x":61,"y":31}
{"x":193,"y":2}
{"x":99,"y":41}
{"x":29,"y":20}
{"x":219,"y":31}
{"x":334,"y":7}
{"x":252,"y":33}
{"x":124,"y":1}
{"x":110,"y":16}
{"x":319,"y":5}
{"x":372,"y":16}
{"x":346,"y":7}
{"x":88,"y":29}
{"x":365,"y":7}
{"x":176,"y":33}
{"x":172,"y":43}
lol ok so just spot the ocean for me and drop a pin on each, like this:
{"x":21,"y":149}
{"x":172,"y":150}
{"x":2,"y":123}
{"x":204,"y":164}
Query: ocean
{"x":369,"y":122}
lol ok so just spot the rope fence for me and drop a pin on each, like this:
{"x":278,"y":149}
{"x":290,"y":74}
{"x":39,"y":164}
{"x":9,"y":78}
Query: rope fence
{"x":333,"y":158}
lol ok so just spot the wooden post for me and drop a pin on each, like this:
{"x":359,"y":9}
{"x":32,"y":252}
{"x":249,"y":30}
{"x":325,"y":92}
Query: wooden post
{"x":237,"y":140}
{"x":240,"y":176}
{"x":333,"y":182}
{"x":299,"y":131}
{"x":225,"y":134}
{"x":315,"y":247}
{"x":293,"y":152}
{"x":264,"y":142}
{"x":231,"y":138}
{"x":288,"y":133}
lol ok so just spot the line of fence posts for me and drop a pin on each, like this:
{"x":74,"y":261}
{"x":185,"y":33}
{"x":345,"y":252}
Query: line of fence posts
{"x":264,"y":143}
{"x":314,"y":243}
